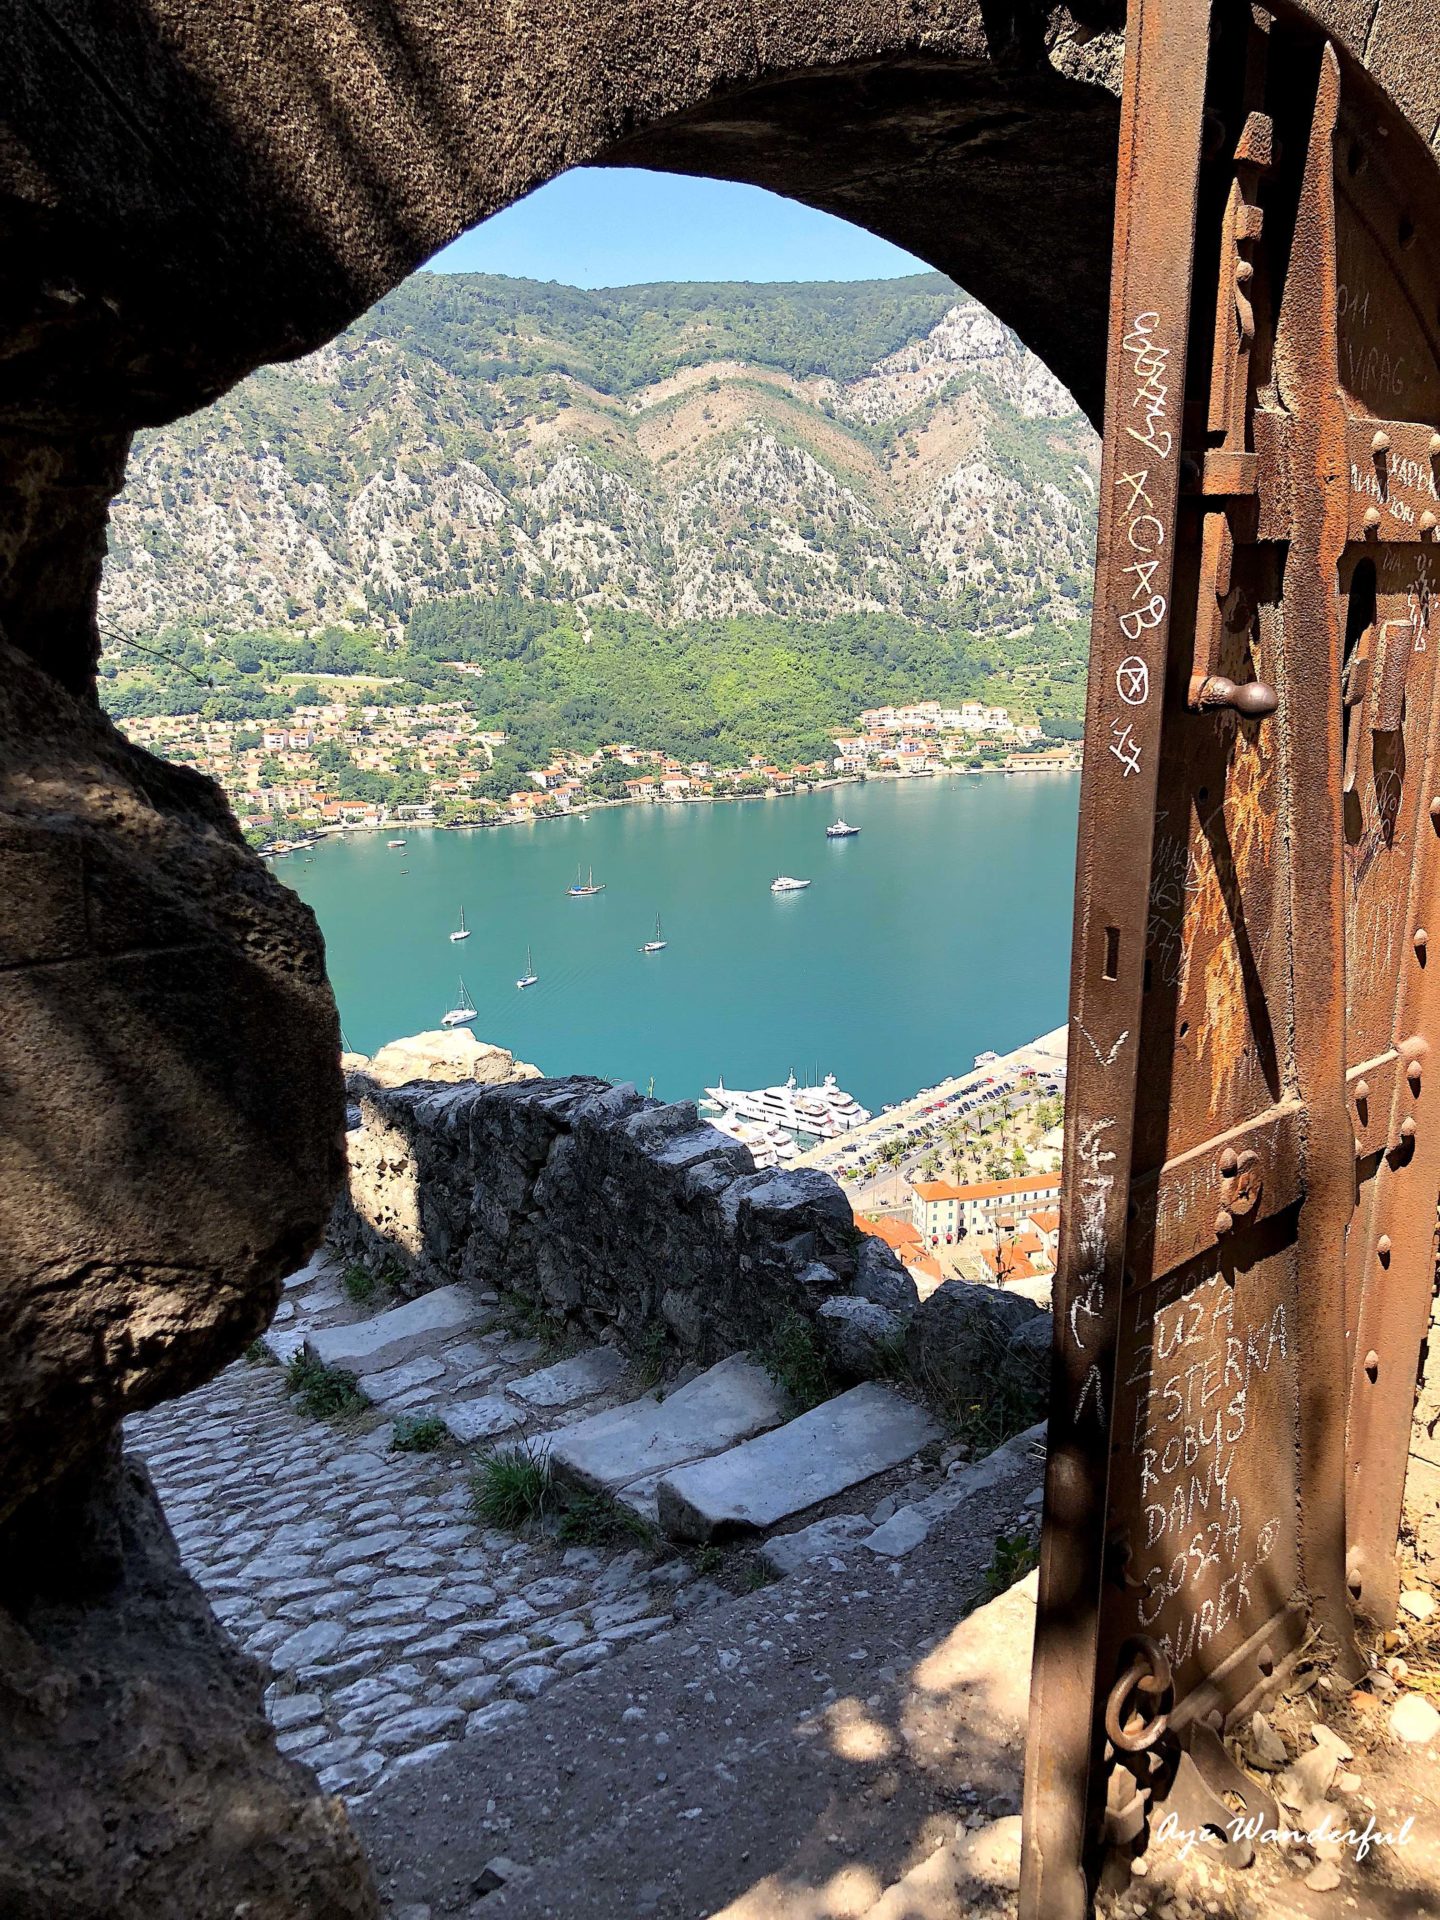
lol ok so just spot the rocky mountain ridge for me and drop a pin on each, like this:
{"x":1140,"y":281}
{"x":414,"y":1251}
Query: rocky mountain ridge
{"x":687,"y":452}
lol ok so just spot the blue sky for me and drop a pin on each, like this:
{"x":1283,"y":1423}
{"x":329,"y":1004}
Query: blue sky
{"x":619,"y":226}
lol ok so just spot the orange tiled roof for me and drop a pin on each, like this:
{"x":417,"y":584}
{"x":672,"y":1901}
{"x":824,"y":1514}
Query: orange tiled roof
{"x":988,"y":1189}
{"x":895,"y":1233}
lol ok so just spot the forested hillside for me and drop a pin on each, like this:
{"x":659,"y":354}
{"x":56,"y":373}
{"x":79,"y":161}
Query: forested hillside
{"x":687,"y":452}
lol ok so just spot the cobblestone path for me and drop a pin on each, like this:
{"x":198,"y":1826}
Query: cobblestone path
{"x":392,"y":1623}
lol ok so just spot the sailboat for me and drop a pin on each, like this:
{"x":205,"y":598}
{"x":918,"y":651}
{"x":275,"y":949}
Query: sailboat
{"x":529,"y":977}
{"x":462,"y":932}
{"x":659,"y":943}
{"x":463,"y":1013}
{"x":588,"y":887}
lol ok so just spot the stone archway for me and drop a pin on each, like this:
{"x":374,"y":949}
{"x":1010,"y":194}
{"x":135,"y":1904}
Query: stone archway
{"x":198,"y":190}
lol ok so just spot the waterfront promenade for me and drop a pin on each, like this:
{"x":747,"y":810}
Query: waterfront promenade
{"x":1044,"y":1057}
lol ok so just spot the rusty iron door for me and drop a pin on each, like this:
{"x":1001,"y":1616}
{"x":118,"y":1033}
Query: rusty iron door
{"x":1250,"y":1178}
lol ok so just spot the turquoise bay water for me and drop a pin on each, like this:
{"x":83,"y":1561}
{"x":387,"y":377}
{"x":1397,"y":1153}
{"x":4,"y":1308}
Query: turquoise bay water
{"x":942,"y":929}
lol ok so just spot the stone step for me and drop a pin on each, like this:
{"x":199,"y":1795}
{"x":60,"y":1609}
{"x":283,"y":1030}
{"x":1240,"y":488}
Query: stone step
{"x":633,"y":1444}
{"x":580,"y":1377}
{"x":384,"y":1340}
{"x":825,"y":1452}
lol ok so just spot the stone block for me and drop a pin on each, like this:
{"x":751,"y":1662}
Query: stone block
{"x":838,"y":1533}
{"x":393,"y":1384}
{"x":419,"y":1326}
{"x":825,"y":1452}
{"x":728,"y":1403}
{"x":578,"y":1378}
{"x":469,"y":1420}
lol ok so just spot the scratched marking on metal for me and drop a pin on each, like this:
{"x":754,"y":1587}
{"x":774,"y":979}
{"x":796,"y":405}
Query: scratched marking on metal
{"x":1250,"y":998}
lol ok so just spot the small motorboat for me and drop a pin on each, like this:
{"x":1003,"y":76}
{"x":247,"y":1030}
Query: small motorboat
{"x":784,"y":884}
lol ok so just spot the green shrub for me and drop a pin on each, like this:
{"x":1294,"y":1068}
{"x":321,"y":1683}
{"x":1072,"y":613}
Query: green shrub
{"x":361,"y":1286}
{"x":418,"y":1433}
{"x":648,"y":1362}
{"x":1014,"y":1556}
{"x":597,"y":1520}
{"x":793,"y":1358}
{"x":510,"y":1486}
{"x":528,"y":1320}
{"x":326,"y":1392}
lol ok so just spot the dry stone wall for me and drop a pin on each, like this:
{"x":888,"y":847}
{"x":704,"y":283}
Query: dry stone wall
{"x":611,"y":1213}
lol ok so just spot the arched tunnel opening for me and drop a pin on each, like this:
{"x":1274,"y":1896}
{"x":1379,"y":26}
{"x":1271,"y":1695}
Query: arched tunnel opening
{"x":191,"y":197}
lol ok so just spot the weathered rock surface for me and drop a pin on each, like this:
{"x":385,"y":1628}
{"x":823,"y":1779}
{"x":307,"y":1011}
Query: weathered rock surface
{"x":449,"y":1055}
{"x":169,"y":1056}
{"x":963,"y":1339}
{"x":615,"y":1214}
{"x":138,"y":1777}
{"x":826,"y":1451}
{"x":860,"y":1339}
{"x":580,"y":1377}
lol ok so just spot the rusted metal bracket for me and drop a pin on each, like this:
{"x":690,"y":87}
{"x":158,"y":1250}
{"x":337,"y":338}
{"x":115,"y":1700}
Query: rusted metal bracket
{"x":1160,"y":142}
{"x":1251,"y":1171}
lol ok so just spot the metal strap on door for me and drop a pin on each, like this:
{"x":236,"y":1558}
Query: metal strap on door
{"x":1249,"y":1182}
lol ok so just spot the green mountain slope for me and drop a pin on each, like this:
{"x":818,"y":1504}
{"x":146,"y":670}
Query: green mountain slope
{"x":683,"y":452}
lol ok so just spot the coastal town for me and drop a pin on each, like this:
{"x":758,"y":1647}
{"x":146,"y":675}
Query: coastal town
{"x":340,"y":765}
{"x":961,"y":1182}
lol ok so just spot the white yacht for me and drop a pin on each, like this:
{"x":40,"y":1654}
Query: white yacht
{"x":841,"y":830}
{"x":659,"y":943}
{"x":529,"y":977}
{"x":394,"y":843}
{"x":462,"y":1013}
{"x":462,"y":932}
{"x":784,"y":884}
{"x":581,"y":889}
{"x":769,"y":1146}
{"x":821,"y":1113}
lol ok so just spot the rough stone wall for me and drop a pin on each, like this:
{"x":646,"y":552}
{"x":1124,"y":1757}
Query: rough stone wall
{"x":171,"y":1104}
{"x":252,"y":178}
{"x":171,"y":1120}
{"x":139,"y":1775}
{"x":613,"y":1213}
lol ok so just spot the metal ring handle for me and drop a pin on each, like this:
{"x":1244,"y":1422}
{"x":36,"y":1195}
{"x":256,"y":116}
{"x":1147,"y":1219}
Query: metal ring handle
{"x":1148,"y":1672}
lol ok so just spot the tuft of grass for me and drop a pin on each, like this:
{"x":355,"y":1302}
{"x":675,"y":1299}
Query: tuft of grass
{"x":793,"y":1358}
{"x":648,"y":1362}
{"x":361,"y":1286}
{"x":326,"y":1392}
{"x":709,"y":1560}
{"x":529,"y":1321}
{"x":758,"y":1575}
{"x":1010,"y":1403}
{"x":418,"y":1433}
{"x":894,"y":1363}
{"x":259,"y":1355}
{"x":510,"y":1486}
{"x":1015,"y":1555}
{"x":597,"y":1520}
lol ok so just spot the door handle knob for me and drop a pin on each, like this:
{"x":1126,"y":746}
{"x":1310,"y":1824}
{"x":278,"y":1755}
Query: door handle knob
{"x":1251,"y":698}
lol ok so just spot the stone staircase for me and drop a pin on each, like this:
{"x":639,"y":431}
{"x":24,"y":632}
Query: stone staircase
{"x":720,"y":1456}
{"x":396,"y":1625}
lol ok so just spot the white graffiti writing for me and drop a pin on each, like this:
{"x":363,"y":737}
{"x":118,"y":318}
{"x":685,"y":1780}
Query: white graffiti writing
{"x":1150,"y":363}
